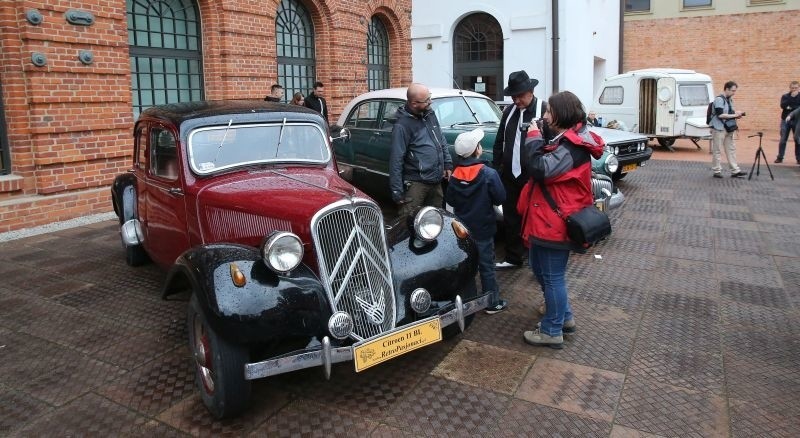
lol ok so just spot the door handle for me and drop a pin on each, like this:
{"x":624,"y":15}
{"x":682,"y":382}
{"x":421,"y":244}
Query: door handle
{"x":174,"y":191}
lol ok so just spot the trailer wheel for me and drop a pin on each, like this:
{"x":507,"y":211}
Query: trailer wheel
{"x":666,"y":141}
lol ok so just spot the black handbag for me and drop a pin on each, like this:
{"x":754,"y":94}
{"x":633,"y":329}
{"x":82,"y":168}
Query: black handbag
{"x":730,"y":125}
{"x":586,"y":226}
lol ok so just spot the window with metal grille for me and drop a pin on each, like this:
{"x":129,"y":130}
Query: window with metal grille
{"x":637,"y":5}
{"x":696,"y":4}
{"x":294,"y":40}
{"x":377,"y":55}
{"x":164,"y":46}
{"x":478,"y":38}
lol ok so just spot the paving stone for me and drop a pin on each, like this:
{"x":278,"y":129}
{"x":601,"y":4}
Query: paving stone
{"x":492,"y":368}
{"x":754,"y":294}
{"x":438,"y":407}
{"x":587,"y":391}
{"x":306,"y":418}
{"x":671,"y":411}
{"x":534,"y":420}
{"x":683,"y":367}
{"x":17,"y":409}
{"x":748,"y":420}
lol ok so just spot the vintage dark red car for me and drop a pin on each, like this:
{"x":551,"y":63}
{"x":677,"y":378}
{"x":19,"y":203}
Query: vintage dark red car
{"x":288,"y":266}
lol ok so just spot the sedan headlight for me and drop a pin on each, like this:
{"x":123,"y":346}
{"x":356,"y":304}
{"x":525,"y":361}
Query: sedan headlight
{"x":616,"y":150}
{"x":428,"y":223}
{"x":612,"y":164}
{"x":282,"y":251}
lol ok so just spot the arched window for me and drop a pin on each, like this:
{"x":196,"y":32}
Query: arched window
{"x":478,"y":55}
{"x":377,"y":55}
{"x":294,"y":39}
{"x":164,"y":46}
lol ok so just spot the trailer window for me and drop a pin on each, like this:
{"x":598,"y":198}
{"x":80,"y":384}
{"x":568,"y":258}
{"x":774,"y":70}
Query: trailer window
{"x":612,"y":96}
{"x":693,"y":95}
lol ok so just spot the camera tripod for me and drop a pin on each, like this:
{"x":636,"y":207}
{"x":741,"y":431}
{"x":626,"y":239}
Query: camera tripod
{"x":759,"y":155}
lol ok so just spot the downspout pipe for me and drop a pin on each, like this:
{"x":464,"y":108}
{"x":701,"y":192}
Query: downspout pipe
{"x":555,"y":57}
{"x":621,"y":35}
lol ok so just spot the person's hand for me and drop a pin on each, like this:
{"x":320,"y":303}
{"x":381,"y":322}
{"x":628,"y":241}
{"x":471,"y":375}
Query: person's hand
{"x":447,"y":173}
{"x":788,"y":119}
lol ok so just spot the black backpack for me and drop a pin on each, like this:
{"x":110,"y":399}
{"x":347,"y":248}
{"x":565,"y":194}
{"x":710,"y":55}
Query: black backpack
{"x":710,"y":111}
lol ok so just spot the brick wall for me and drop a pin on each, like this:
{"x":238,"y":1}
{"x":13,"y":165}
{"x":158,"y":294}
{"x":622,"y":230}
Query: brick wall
{"x":759,"y":51}
{"x":69,"y":125}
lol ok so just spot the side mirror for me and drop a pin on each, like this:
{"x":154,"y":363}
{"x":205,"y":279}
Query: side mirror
{"x":344,"y":135}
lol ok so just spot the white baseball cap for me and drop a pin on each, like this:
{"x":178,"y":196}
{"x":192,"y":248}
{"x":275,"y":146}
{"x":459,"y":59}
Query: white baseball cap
{"x":467,"y":142}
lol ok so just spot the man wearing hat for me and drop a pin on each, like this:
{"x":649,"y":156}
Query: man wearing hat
{"x":510,"y":156}
{"x":473,"y":190}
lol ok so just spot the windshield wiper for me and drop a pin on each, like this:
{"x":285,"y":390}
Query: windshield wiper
{"x":224,"y":136}
{"x":464,"y":123}
{"x":280,"y":137}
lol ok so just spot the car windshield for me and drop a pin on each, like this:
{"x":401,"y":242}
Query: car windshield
{"x":454,"y":111}
{"x":212,"y":149}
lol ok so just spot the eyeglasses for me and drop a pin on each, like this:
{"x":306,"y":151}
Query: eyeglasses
{"x":428,"y":100}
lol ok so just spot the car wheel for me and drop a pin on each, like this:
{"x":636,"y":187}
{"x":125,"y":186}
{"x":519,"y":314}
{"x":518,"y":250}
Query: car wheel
{"x":666,"y":141}
{"x":219,"y":366}
{"x":452,"y":330}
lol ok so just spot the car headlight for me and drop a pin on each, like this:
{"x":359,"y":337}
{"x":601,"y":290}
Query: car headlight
{"x":612,"y":164}
{"x":641,"y":146}
{"x":428,"y":223}
{"x":616,"y":150}
{"x":282,"y":251}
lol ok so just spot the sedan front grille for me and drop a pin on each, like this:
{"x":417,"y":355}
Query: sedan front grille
{"x":354,"y":265}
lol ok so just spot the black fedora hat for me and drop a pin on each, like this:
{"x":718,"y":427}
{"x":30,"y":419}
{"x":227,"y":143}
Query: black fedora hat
{"x":519,"y":82}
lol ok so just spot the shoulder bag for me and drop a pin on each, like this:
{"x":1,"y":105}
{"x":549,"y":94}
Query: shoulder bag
{"x":586,"y":226}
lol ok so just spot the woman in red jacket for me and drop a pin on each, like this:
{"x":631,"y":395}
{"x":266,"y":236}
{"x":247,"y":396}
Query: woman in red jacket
{"x":564,"y":166}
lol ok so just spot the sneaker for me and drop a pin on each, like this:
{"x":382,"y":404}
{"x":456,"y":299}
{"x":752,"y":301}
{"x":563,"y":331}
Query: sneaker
{"x":778,"y":160}
{"x":540,"y":339}
{"x":499,"y":307}
{"x":507,"y":265}
{"x":739,"y":174}
{"x":717,"y":175}
{"x":569,"y":327}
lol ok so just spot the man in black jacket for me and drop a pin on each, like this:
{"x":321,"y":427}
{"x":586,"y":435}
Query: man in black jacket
{"x":789,"y":102}
{"x":419,"y":159}
{"x":510,"y":156}
{"x":316,"y":100}
{"x":275,"y":93}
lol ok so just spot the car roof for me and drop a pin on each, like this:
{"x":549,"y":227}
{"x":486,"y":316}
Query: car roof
{"x":252,"y":110}
{"x":400,"y":94}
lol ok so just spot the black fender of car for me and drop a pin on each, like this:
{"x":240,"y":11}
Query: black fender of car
{"x":445,"y":267}
{"x":267,"y":307}
{"x":123,"y":197}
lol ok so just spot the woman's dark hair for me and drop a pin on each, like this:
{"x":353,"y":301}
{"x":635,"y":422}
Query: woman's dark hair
{"x":296,"y":98}
{"x":566,"y":110}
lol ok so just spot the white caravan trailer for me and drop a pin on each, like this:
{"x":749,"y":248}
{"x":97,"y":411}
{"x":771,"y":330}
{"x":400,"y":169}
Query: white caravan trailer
{"x":661,"y":103}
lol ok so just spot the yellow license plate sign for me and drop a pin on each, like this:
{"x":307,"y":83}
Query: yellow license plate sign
{"x":629,"y":167}
{"x":397,"y":343}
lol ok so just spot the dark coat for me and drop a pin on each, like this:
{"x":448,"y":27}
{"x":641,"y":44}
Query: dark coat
{"x":472,"y":191}
{"x":504,"y":149}
{"x":318,"y":104}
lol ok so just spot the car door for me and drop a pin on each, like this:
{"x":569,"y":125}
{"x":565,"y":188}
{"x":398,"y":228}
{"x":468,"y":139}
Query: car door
{"x":164,"y":220}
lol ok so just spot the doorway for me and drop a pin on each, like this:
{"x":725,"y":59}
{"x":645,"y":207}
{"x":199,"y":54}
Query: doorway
{"x":478,"y":55}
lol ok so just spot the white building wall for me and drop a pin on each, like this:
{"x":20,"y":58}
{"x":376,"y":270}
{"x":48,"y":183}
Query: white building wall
{"x":589,"y":41}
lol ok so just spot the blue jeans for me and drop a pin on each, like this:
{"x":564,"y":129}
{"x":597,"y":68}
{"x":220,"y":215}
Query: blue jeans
{"x":785,"y":129}
{"x":486,"y":269}
{"x":550,"y":268}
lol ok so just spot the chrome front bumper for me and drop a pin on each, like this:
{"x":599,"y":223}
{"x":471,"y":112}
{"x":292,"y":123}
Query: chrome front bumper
{"x":325,"y":355}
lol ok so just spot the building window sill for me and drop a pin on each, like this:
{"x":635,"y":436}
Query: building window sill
{"x":10,"y":183}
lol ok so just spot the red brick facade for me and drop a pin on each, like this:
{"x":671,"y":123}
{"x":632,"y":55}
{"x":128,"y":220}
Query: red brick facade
{"x":756,"y":50}
{"x":69,"y":125}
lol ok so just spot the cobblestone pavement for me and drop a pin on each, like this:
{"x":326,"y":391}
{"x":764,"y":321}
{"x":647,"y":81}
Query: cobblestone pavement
{"x":688,"y":325}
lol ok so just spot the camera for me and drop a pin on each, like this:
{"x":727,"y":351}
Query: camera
{"x":744,"y":113}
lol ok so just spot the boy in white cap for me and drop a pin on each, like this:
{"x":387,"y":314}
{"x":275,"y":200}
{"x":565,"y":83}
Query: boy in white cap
{"x":472,"y":191}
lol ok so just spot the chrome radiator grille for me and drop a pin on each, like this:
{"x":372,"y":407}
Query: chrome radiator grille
{"x":354,"y":265}
{"x":599,"y":184}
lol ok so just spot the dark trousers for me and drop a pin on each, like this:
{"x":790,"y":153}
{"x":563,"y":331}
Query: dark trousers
{"x":420,"y":194}
{"x":786,"y":128}
{"x":512,"y":221}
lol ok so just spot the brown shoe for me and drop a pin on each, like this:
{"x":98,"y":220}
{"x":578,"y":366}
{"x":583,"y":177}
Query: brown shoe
{"x":569,"y":327}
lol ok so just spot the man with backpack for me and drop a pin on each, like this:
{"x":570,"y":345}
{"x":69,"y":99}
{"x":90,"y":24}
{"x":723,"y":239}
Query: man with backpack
{"x":723,"y":125}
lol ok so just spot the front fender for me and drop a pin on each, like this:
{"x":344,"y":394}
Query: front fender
{"x":123,"y":197}
{"x":269,"y":307}
{"x":445,"y":267}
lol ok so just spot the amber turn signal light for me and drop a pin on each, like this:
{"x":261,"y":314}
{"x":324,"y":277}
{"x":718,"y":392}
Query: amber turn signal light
{"x":460,"y":230}
{"x":237,"y":276}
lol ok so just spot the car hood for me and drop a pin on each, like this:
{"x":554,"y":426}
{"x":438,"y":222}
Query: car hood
{"x":612,"y":136}
{"x":246,"y":206}
{"x":489,"y":135}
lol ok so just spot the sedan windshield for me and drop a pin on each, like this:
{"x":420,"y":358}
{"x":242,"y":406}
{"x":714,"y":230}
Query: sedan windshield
{"x":454,"y":111}
{"x":216,"y":148}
